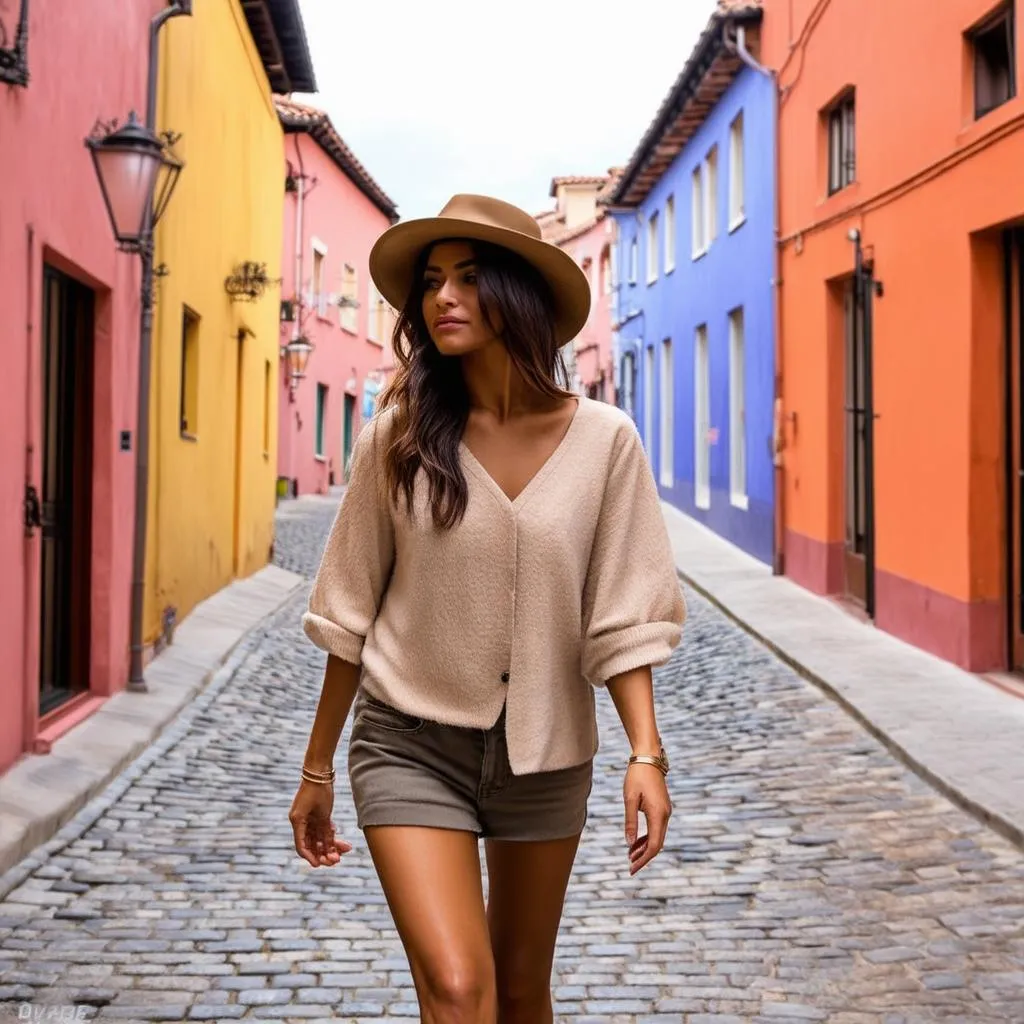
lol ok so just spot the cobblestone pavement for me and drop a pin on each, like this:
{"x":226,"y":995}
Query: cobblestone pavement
{"x":808,"y":875}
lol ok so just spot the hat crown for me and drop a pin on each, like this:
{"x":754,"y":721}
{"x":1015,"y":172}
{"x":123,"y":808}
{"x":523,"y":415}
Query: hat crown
{"x":492,"y":212}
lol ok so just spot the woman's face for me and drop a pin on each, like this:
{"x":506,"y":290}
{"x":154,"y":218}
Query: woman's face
{"x":451,"y":303}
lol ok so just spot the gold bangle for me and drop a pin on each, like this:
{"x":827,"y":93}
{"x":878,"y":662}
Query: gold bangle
{"x":658,"y":762}
{"x":323,"y":778}
{"x":318,"y":782}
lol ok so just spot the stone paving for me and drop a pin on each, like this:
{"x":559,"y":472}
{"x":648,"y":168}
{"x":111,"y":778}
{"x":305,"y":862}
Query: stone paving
{"x":808,"y":876}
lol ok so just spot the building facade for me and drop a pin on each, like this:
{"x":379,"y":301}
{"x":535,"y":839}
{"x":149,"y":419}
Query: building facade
{"x":694,"y":306}
{"x":333,"y":213}
{"x":580,"y":225}
{"x":902,"y":213}
{"x":69,"y":338}
{"x":215,"y":342}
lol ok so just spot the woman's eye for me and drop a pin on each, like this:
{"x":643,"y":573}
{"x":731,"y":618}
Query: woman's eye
{"x":429,"y":285}
{"x":470,"y":279}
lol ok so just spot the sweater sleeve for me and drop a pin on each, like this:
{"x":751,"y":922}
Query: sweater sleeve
{"x":633,"y":606}
{"x":357,"y":559}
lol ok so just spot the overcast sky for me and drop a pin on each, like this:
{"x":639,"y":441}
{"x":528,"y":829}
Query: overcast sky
{"x":497,"y":98}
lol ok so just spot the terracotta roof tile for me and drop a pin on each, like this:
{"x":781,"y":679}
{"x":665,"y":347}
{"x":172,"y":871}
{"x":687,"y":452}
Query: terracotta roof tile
{"x":302,"y":117}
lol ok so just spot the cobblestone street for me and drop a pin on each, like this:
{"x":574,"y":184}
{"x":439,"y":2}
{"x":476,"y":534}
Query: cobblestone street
{"x":808,"y":875}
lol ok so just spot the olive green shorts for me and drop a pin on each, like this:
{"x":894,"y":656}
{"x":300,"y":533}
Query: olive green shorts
{"x":410,"y":771}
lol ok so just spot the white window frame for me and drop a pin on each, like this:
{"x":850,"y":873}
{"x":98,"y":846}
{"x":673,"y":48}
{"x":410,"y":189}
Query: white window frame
{"x":702,"y":420}
{"x":737,"y":410}
{"x":670,"y":234}
{"x":629,"y":385}
{"x":652,"y":248}
{"x":634,"y":259}
{"x":698,"y":244}
{"x":737,"y":174}
{"x":667,"y":454}
{"x":317,"y":294}
{"x":649,"y":400}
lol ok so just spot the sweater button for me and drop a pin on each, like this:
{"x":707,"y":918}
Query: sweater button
{"x":504,"y":677}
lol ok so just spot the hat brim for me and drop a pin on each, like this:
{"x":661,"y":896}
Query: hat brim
{"x":394,"y":255}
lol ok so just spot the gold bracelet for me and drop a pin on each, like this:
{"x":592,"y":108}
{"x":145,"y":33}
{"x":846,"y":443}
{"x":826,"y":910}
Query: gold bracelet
{"x":312,"y":775}
{"x":658,"y":762}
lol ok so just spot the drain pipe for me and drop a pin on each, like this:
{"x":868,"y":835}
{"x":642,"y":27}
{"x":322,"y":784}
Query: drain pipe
{"x":738,"y":46}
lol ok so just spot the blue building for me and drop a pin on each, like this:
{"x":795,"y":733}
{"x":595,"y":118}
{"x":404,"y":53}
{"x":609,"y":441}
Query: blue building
{"x":694,"y":305}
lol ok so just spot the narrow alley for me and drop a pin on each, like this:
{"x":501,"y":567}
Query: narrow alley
{"x":808,"y":875}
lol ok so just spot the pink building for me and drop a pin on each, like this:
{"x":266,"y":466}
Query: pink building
{"x":334,"y":212}
{"x":69,"y":342}
{"x":582,"y":228}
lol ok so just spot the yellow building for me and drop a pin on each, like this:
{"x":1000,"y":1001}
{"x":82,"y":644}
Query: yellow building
{"x":216,"y":355}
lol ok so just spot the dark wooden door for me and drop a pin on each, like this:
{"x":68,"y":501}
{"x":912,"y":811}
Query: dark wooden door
{"x":858,"y":549}
{"x":65,"y":489}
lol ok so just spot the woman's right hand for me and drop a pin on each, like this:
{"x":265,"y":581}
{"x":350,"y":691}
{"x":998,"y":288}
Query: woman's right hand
{"x":310,"y":815}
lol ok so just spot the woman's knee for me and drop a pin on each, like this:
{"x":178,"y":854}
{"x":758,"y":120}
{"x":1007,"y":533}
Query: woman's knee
{"x":460,"y":992}
{"x":524,"y":996}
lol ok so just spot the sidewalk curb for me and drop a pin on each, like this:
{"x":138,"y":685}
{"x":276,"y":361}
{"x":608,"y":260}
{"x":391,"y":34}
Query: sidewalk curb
{"x":143,"y":725}
{"x":998,"y":823}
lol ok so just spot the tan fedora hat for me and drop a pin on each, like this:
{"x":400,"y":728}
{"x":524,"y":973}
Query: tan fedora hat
{"x":480,"y":218}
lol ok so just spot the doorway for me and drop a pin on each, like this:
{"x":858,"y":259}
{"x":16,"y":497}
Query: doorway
{"x":65,"y":496}
{"x":347,"y":426}
{"x":237,"y":562}
{"x":1013,"y":253}
{"x":859,"y":534}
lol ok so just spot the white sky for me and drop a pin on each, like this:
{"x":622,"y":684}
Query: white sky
{"x":454,"y":96}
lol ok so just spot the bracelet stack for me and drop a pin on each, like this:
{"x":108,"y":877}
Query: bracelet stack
{"x":320,"y":778}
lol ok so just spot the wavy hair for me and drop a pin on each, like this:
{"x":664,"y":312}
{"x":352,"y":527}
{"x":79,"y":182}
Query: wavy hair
{"x":428,"y":391}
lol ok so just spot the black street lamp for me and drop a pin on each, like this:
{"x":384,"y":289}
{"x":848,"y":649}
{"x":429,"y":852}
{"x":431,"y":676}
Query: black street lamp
{"x":129,"y":162}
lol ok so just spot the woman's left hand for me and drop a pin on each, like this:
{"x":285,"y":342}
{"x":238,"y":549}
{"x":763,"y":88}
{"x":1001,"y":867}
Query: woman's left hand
{"x":645,"y":790}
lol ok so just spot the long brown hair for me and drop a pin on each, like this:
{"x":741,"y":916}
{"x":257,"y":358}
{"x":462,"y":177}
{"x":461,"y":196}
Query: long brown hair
{"x":429,"y":392}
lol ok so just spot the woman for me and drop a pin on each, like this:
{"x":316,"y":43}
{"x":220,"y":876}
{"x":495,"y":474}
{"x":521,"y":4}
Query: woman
{"x":499,"y":554}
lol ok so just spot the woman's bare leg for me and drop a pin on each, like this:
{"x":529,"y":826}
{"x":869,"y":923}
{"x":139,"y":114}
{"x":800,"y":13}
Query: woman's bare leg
{"x":431,"y":878}
{"x":524,"y":909}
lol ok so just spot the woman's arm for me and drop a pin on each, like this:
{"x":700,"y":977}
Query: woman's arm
{"x":643,"y":788}
{"x":341,"y":680}
{"x":633,"y":695}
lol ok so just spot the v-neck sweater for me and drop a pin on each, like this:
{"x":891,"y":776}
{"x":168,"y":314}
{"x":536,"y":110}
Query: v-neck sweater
{"x":527,"y":603}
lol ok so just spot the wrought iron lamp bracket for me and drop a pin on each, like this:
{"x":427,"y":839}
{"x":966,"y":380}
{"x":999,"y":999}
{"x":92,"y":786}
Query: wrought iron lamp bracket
{"x":14,"y":59}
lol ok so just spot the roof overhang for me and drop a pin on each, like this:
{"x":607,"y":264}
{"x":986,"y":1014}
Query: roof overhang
{"x":280,"y":36}
{"x":711,"y":69}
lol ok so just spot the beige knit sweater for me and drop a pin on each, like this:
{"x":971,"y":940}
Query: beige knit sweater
{"x":529,"y":603}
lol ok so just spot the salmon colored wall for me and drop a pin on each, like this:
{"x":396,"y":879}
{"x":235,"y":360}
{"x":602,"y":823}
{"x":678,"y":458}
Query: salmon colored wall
{"x":340,"y":216}
{"x":86,"y":62}
{"x":933,"y":186}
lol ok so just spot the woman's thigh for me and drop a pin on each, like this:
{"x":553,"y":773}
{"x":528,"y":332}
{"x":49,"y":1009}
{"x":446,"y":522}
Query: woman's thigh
{"x":431,"y":879}
{"x":527,"y":882}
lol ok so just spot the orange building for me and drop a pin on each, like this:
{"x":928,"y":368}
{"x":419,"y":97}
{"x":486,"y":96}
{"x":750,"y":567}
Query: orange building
{"x":900,"y":287}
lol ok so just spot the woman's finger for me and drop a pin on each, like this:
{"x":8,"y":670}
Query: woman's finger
{"x":302,"y":841}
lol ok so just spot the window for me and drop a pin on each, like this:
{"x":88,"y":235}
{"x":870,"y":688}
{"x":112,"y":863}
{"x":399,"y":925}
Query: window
{"x":319,"y":298}
{"x":652,"y":248}
{"x":670,"y":233}
{"x":737,"y":411}
{"x":995,"y":79}
{"x":737,"y":203}
{"x":348,"y":315}
{"x":189,"y":395}
{"x":704,"y":212}
{"x":633,"y":259}
{"x":842,"y":150}
{"x":267,"y":379}
{"x":606,"y":271}
{"x":629,"y":385}
{"x":702,"y":421}
{"x":588,"y":272}
{"x":377,"y":319}
{"x":649,"y":401}
{"x":321,"y":416}
{"x":667,"y":415}
{"x":711,"y":195}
